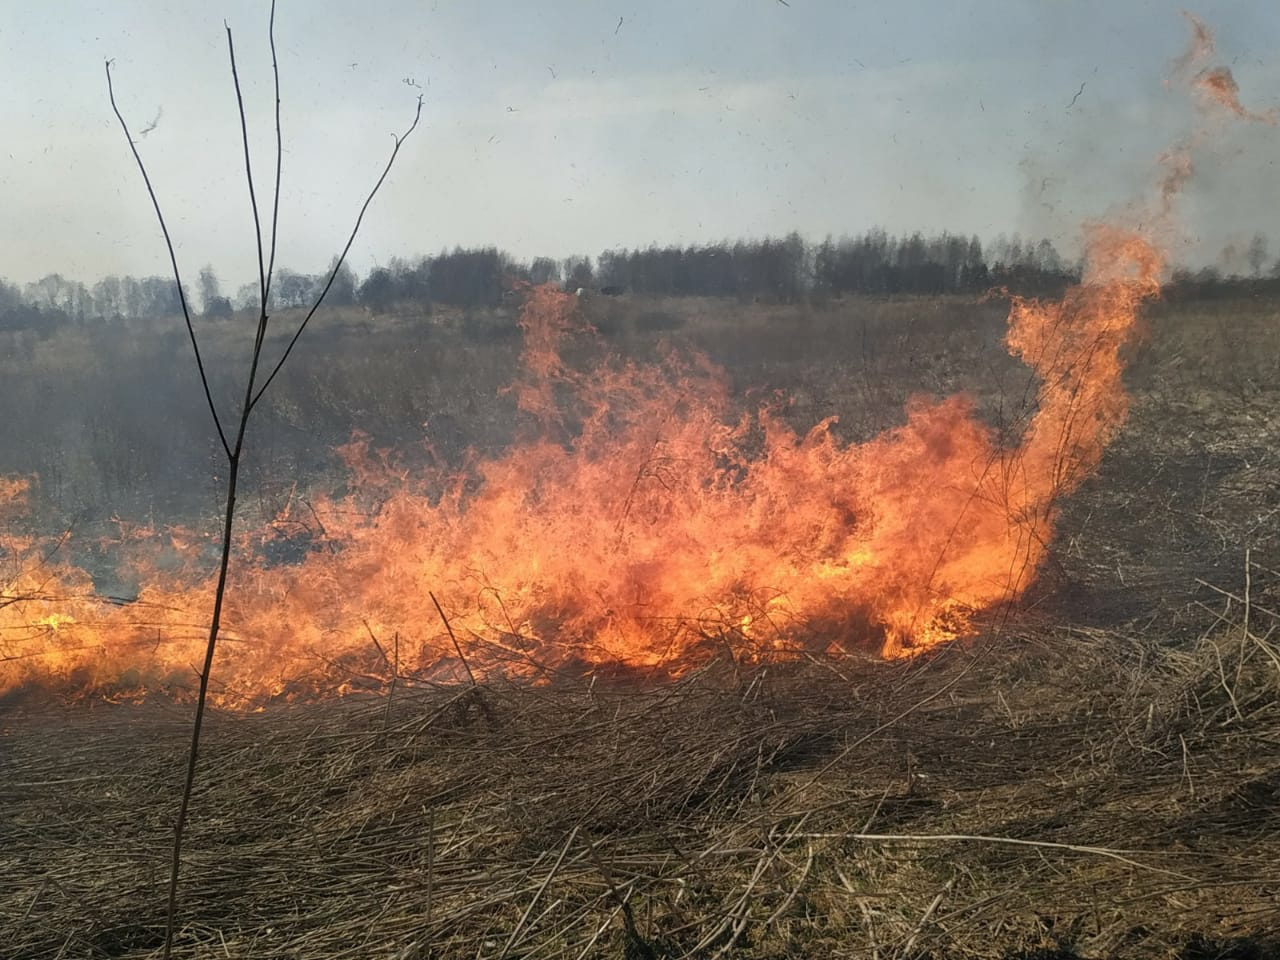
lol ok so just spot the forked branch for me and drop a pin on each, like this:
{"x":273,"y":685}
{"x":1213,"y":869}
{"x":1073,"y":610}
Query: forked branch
{"x":342,"y":257}
{"x":173,"y":261}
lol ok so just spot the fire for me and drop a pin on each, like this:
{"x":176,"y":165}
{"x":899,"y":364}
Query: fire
{"x":639,"y":524}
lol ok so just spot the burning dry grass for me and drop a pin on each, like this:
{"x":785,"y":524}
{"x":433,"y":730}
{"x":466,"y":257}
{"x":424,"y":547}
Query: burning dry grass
{"x":841,"y":808}
{"x":1094,"y":793}
{"x":638,"y":508}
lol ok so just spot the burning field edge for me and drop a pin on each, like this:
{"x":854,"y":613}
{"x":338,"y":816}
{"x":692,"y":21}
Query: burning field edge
{"x":1043,"y":792}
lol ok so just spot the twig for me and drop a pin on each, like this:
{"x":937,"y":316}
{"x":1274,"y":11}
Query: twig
{"x":639,"y":947}
{"x":431,"y":862}
{"x":907,"y":947}
{"x":342,"y":257}
{"x":173,"y":261}
{"x":32,"y":905}
{"x":876,"y":810}
{"x":1254,"y":607}
{"x":395,"y":674}
{"x":248,"y":175}
{"x":456,"y":645}
{"x":275,"y":205}
{"x":871,"y":930}
{"x":1245,"y":634}
{"x":515,"y":933}
{"x":1118,"y":855}
{"x":1186,"y":767}
{"x":586,"y":951}
{"x":791,"y":895}
{"x":1222,"y":681}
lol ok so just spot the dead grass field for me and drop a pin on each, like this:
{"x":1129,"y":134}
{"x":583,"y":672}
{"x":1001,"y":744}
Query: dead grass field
{"x":1096,"y":775}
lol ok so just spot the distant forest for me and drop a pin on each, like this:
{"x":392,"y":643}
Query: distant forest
{"x":786,"y":269}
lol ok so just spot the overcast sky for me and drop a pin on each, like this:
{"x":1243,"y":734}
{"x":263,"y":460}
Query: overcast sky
{"x":567,"y":126}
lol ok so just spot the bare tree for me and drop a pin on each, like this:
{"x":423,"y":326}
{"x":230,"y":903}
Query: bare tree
{"x":256,"y":385}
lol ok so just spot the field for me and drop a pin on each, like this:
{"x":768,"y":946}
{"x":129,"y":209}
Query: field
{"x":1095,"y":774}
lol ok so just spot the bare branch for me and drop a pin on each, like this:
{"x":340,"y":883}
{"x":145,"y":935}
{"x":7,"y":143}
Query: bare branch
{"x":173,"y":260}
{"x":342,"y":257}
{"x":248,"y":170}
{"x":457,"y":646}
{"x":275,"y":203}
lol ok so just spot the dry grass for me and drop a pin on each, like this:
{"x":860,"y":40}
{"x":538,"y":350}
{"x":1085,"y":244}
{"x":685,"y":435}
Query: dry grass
{"x":1083,"y":791}
{"x":1098,"y":776}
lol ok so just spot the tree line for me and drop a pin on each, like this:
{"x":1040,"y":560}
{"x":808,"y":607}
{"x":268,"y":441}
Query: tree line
{"x":776,"y":269}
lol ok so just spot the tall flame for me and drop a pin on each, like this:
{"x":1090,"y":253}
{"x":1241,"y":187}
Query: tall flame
{"x":640,"y":524}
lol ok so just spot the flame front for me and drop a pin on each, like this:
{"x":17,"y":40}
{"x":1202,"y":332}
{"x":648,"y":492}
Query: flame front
{"x":641,"y":523}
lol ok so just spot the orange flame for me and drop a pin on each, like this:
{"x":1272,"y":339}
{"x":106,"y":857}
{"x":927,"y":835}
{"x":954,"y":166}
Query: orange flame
{"x":641,"y":524}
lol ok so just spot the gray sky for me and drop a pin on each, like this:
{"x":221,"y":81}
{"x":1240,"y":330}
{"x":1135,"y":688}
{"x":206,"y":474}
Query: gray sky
{"x":548,"y":128}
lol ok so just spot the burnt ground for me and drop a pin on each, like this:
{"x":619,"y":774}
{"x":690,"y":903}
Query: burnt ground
{"x":1096,"y":775}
